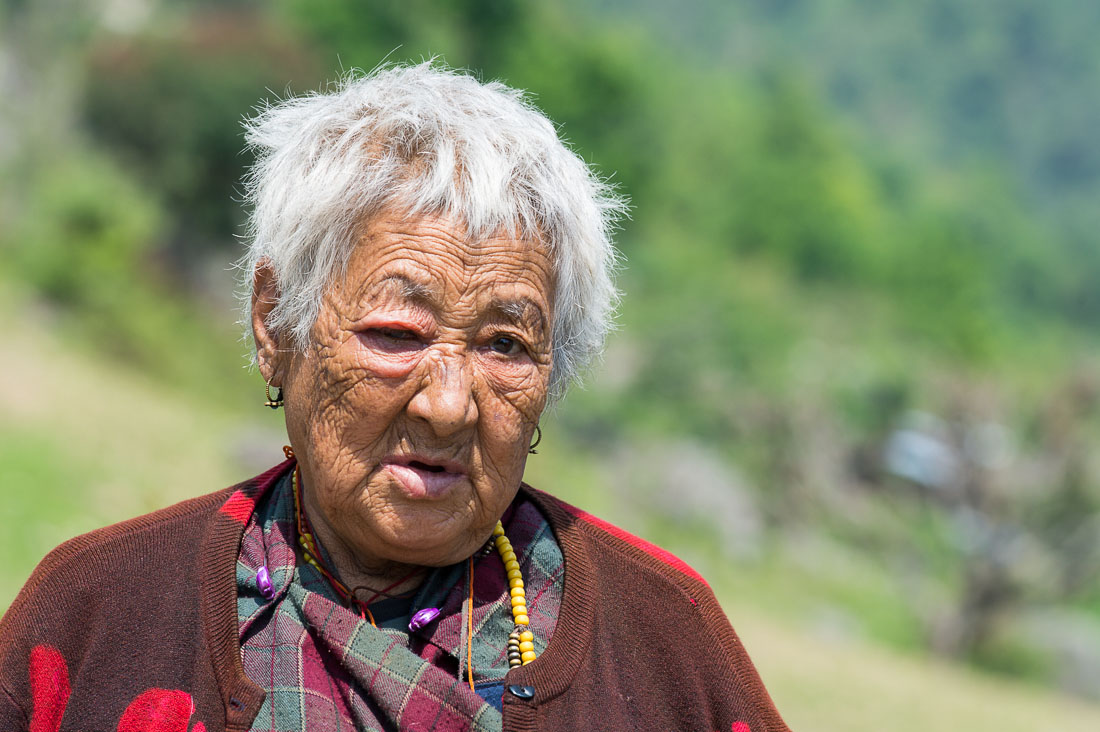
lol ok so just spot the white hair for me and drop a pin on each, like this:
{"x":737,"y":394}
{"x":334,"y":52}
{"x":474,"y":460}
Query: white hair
{"x":426,"y":139}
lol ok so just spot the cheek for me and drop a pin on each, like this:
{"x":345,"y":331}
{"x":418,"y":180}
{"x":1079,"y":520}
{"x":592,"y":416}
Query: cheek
{"x":520,"y":387}
{"x":334,"y":374}
{"x":510,"y":407}
{"x":342,"y":385}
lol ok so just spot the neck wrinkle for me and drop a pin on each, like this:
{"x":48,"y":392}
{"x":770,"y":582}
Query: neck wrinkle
{"x":361,"y":577}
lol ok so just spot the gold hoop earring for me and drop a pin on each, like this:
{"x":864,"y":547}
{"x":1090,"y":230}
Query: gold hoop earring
{"x":538,"y":438}
{"x":277,"y":401}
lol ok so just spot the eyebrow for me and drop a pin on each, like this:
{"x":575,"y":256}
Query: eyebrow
{"x":521,"y":311}
{"x":409,"y":289}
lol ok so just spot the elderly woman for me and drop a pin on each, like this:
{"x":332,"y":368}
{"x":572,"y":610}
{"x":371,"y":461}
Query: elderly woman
{"x":429,"y":267}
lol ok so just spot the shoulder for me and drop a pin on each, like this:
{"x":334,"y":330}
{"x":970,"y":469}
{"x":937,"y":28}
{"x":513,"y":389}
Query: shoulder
{"x":617,"y":562}
{"x":93,"y":571}
{"x":610,"y":562}
{"x":169,"y":529}
{"x":109,"y":596}
{"x":652,"y":607}
{"x":137,"y":549}
{"x":142,"y":532}
{"x":643,"y":553}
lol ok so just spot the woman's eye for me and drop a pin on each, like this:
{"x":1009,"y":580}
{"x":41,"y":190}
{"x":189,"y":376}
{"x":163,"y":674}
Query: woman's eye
{"x":396,"y":334}
{"x":506,"y":346}
{"x":392,"y":340}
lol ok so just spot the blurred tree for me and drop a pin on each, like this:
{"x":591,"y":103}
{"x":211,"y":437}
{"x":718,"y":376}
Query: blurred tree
{"x":170,"y":109}
{"x":85,"y":226}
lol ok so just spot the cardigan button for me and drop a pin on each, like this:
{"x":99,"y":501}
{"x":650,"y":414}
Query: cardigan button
{"x":523,"y":692}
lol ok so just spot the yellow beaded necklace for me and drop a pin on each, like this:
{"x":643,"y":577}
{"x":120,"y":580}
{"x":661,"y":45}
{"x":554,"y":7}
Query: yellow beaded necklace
{"x":521,"y":641}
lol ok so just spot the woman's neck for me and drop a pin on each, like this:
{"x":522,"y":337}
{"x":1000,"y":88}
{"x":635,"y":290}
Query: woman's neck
{"x":367,"y":582}
{"x":367,"y":579}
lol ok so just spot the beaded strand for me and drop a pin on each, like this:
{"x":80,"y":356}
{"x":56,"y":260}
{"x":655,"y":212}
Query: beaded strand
{"x":305,"y":538}
{"x":521,"y":641}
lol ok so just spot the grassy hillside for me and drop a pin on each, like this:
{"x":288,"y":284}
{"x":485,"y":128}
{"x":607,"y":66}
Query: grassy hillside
{"x":85,"y":442}
{"x":826,"y":686}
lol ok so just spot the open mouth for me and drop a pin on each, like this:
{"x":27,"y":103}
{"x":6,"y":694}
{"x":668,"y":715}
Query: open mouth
{"x":421,"y":478}
{"x":427,"y":466}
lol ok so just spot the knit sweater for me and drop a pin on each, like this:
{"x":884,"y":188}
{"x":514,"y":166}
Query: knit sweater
{"x":134,"y":627}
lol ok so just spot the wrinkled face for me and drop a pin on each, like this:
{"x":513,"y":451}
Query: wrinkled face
{"x":413,"y":407}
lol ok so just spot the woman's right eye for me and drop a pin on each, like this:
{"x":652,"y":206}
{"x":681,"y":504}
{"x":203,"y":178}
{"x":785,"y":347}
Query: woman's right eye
{"x":396,"y":334}
{"x":393,"y":340}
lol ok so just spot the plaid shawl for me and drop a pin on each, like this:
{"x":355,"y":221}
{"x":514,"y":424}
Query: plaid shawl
{"x":325,"y":668}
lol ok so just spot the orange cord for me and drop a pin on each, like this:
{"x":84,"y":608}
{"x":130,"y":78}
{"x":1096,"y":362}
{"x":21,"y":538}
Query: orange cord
{"x":470,"y":629}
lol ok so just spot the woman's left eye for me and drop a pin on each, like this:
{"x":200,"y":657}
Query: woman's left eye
{"x":506,"y":346}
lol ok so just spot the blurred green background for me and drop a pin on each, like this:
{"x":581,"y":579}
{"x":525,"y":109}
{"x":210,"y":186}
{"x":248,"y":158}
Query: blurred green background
{"x":855,"y":382}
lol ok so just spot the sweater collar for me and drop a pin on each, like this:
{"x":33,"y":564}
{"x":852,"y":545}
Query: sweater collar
{"x":550,"y":675}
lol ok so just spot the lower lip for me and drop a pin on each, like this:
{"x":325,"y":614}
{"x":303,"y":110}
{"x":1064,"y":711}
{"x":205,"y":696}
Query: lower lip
{"x":424,"y":483}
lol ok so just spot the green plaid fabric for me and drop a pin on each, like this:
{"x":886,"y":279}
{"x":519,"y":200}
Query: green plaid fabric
{"x":325,"y":668}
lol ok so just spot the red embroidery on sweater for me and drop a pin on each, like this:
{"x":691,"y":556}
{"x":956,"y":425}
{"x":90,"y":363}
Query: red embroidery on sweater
{"x":50,"y":688}
{"x":652,"y":549}
{"x":242,"y":502}
{"x":154,"y":710}
{"x":158,"y":710}
{"x":239,"y":506}
{"x":740,"y":727}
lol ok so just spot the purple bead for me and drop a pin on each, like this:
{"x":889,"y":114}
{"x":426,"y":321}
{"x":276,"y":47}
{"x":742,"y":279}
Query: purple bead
{"x":263,"y":581}
{"x":423,"y":617}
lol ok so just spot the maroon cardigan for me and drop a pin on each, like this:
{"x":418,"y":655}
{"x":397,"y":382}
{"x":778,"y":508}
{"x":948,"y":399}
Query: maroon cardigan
{"x":134,"y":627}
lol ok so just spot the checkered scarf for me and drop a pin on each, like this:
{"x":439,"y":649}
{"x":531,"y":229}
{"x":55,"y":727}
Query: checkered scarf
{"x":325,"y":668}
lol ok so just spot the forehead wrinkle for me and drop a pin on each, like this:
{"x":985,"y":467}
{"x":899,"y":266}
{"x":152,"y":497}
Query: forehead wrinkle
{"x":406,"y":288}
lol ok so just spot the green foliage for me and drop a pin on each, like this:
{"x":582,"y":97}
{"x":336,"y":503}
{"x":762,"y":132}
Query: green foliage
{"x":802,"y":197}
{"x":84,"y":237}
{"x":943,"y":87}
{"x":943,"y":289}
{"x":471,"y":33}
{"x":80,"y":229}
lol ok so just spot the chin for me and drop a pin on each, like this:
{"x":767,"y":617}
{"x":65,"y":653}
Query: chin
{"x":418,"y":540}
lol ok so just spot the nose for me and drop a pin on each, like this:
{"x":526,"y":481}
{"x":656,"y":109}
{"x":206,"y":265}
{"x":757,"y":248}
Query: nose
{"x":445,"y":399}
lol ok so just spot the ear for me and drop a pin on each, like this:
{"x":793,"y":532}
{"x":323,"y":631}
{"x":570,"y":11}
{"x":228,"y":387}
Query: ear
{"x":265,"y":294}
